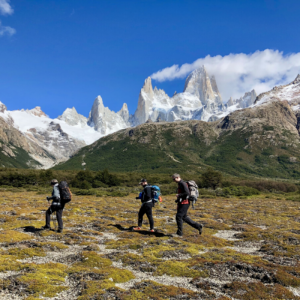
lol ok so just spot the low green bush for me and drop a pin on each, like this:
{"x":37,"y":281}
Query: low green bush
{"x":239,"y":191}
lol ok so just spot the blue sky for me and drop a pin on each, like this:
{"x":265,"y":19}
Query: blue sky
{"x":65,"y":53}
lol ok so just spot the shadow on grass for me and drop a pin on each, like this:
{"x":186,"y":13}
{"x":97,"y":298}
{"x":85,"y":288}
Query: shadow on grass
{"x":32,"y":229}
{"x":144,"y":232}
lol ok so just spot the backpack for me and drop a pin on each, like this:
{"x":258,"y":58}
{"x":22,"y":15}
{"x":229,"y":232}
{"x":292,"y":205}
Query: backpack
{"x":194,"y":193}
{"x":155,"y":193}
{"x":65,"y":193}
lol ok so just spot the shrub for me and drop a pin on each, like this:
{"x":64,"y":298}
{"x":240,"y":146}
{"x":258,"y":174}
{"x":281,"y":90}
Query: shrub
{"x":239,"y":191}
{"x":211,"y":178}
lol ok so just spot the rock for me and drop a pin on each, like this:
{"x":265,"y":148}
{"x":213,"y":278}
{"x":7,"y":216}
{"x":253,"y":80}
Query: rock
{"x":204,"y":87}
{"x":142,"y":112}
{"x":71,"y":117}
{"x":37,"y":111}
{"x":247,"y":100}
{"x":105,"y":121}
{"x":3,"y":108}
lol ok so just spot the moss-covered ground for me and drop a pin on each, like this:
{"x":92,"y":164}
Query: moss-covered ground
{"x":249,"y":249}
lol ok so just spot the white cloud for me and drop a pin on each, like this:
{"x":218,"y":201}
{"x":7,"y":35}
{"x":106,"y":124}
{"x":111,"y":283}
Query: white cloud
{"x":5,"y":8}
{"x":240,"y":73}
{"x":6,"y":30}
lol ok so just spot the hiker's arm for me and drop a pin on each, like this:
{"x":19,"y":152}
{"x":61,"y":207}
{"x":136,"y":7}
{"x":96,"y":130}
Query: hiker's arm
{"x":48,"y":199}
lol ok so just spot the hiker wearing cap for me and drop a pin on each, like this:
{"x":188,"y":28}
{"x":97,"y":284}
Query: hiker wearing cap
{"x":147,"y":204}
{"x":55,"y":206}
{"x":183,"y":205}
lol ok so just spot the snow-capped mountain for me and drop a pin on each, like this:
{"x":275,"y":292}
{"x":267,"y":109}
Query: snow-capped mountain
{"x":58,"y":139}
{"x":289,"y":92}
{"x":205,"y":88}
{"x":200,"y":100}
{"x":73,"y":118}
{"x":105,"y":121}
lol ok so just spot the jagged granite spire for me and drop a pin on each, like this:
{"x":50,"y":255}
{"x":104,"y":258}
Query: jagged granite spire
{"x":106,"y":121}
{"x":142,"y":112}
{"x":204,"y":87}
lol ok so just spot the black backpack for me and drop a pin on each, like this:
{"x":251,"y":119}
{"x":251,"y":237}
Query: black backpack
{"x":65,"y":193}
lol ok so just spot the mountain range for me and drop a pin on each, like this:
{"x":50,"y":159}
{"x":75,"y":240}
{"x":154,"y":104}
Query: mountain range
{"x":47,"y":142}
{"x":261,"y":140}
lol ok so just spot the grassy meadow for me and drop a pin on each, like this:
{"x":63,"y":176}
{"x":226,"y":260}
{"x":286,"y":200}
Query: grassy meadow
{"x":249,"y":249}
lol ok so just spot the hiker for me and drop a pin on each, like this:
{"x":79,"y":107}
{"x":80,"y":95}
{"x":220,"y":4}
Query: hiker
{"x":55,"y":206}
{"x":147,"y":204}
{"x":183,"y":205}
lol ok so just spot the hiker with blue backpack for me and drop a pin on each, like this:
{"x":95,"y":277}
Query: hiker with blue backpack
{"x":185,"y":195}
{"x":148,"y":197}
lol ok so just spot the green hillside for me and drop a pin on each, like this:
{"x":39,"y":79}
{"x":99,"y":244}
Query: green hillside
{"x":262,"y":142}
{"x":18,"y":157}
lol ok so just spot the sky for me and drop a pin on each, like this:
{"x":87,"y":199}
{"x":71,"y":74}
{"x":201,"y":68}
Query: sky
{"x":58,"y":54}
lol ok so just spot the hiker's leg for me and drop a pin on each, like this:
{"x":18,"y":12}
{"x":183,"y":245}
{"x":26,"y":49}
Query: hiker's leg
{"x":148,"y":209}
{"x":48,"y":214}
{"x":188,"y":220}
{"x":59,"y":213}
{"x":141,"y":214}
{"x":180,"y":213}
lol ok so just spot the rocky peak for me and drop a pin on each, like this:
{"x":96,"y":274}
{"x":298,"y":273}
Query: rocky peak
{"x":230,"y":102}
{"x":37,"y":111}
{"x":3,"y":108}
{"x":147,"y":88}
{"x":96,"y":113}
{"x":146,"y":97}
{"x":248,"y":99}
{"x":124,"y":112}
{"x":72,"y":117}
{"x":214,"y":85}
{"x":105,"y":121}
{"x":289,"y":92}
{"x":297,"y":79}
{"x":204,"y":87}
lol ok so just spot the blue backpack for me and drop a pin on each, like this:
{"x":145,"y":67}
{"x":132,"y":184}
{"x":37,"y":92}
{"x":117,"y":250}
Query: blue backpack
{"x":155,"y":191}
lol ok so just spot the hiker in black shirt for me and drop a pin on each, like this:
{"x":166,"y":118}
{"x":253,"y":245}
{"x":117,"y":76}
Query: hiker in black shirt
{"x":183,"y":205}
{"x":147,"y":204}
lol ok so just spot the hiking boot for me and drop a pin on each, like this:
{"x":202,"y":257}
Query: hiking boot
{"x":45,"y":227}
{"x":151,"y":230}
{"x":179,"y":233}
{"x":136,"y":228}
{"x":200,"y":229}
{"x":59,"y":230}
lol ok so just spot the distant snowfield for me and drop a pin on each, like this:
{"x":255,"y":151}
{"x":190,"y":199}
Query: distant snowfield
{"x":24,"y":120}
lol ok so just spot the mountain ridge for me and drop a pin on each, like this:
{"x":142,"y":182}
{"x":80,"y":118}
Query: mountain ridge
{"x":257,"y":141}
{"x":62,"y":137}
